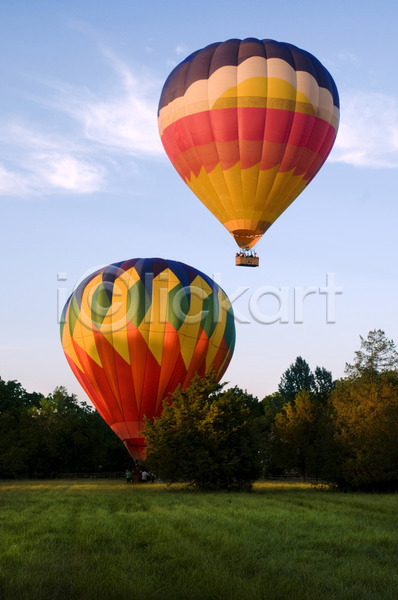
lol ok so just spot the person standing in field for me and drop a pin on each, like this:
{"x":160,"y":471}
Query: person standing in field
{"x":128,"y":476}
{"x":137,"y":474}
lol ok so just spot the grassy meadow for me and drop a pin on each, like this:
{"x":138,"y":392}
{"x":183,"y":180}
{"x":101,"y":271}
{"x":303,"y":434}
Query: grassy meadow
{"x":101,"y":539}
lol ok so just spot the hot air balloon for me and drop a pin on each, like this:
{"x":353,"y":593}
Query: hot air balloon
{"x":134,"y":330}
{"x":247,"y":125}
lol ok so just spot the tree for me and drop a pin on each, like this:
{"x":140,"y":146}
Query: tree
{"x":296,"y":378}
{"x":15,"y":428}
{"x":297,"y":435}
{"x":280,"y":453}
{"x":324,"y":383}
{"x":43,"y":436}
{"x":205,"y":437}
{"x":365,"y":417}
{"x":377,"y":355}
{"x":272,"y":405}
{"x":62,"y":444}
{"x":14,"y":398}
{"x":255,"y":407}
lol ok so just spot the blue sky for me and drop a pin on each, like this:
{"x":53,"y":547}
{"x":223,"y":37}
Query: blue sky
{"x":84,"y":180}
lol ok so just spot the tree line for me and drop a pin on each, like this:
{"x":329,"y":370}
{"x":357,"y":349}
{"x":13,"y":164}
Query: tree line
{"x":342,"y":432}
{"x":45,"y":436}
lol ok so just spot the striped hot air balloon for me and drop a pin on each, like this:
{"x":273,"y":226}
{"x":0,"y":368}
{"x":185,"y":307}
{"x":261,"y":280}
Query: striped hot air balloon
{"x":247,"y":124}
{"x":134,"y":330}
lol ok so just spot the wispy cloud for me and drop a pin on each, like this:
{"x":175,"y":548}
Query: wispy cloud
{"x":368,"y":134}
{"x":13,"y":183}
{"x":52,"y":172}
{"x":125,"y":120}
{"x":36,"y":163}
{"x":69,"y":173}
{"x":71,"y":157}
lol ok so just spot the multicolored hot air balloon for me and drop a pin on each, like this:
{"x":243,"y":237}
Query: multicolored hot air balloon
{"x":134,"y":330}
{"x":248,"y":124}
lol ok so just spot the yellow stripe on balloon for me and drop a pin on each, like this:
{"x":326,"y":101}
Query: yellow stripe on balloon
{"x":272,"y":92}
{"x":212,"y":190}
{"x":83,"y":333}
{"x":286,"y":188}
{"x":218,"y":333}
{"x":189,"y":330}
{"x":116,"y":319}
{"x":272,"y":193}
{"x":84,"y":337}
{"x":156,"y":342}
{"x":67,"y":341}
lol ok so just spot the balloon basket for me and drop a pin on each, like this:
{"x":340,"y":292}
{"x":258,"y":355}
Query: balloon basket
{"x":246,"y":260}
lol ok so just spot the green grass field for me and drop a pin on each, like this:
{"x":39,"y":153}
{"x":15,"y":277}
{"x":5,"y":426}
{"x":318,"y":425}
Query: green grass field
{"x":104,"y":540}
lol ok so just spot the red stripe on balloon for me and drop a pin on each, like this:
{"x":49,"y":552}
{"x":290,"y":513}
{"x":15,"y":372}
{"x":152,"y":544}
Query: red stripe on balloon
{"x":301,"y":160}
{"x":138,"y":350}
{"x":126,"y":388}
{"x":220,"y":356}
{"x":234,"y":134}
{"x":170,"y":356}
{"x":106,"y":354}
{"x":90,"y":391}
{"x":97,"y":375}
{"x":226,"y":364}
{"x":198,"y":360}
{"x":178,"y":376}
{"x":150,"y":389}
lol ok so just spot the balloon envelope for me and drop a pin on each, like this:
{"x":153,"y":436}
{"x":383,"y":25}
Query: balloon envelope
{"x":134,"y":330}
{"x":247,"y":124}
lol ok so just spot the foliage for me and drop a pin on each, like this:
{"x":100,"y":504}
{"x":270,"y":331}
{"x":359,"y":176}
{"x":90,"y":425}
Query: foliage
{"x":324,"y":383}
{"x":296,"y":378}
{"x":366,"y":431}
{"x":272,"y":405}
{"x":43,"y":436}
{"x":14,"y":398}
{"x":205,"y":437}
{"x":251,"y":402}
{"x":377,"y":355}
{"x":298,"y":435}
{"x":298,"y":439}
{"x":299,"y":377}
